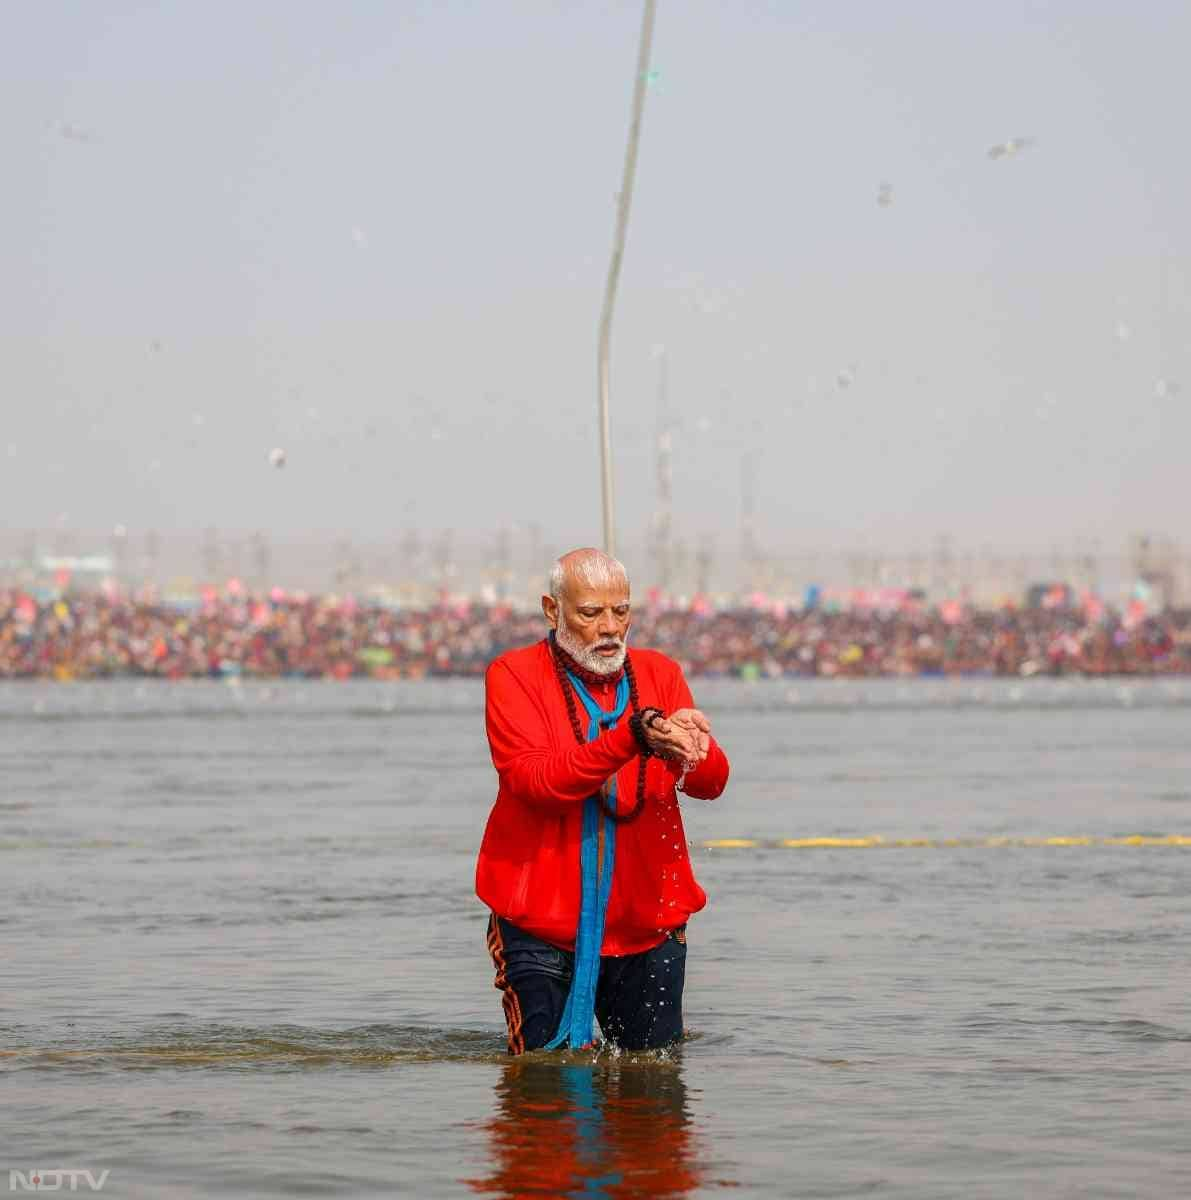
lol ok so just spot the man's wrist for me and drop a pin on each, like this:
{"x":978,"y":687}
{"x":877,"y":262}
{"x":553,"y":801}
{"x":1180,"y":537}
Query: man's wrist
{"x":640,"y":723}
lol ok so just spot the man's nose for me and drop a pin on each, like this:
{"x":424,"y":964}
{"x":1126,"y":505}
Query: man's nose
{"x":606,"y":626}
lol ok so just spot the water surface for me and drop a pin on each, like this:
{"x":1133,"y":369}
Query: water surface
{"x":242,"y":954}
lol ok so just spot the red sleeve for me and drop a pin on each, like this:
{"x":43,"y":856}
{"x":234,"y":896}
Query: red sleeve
{"x":520,"y":743}
{"x":710,"y":777}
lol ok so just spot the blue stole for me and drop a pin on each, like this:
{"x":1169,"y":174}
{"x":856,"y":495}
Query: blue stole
{"x":577,"y":1024}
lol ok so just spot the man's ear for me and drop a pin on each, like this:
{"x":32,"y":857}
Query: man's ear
{"x":550,"y":610}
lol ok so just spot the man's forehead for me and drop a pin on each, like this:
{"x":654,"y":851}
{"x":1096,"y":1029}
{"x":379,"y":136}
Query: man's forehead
{"x":581,"y":593}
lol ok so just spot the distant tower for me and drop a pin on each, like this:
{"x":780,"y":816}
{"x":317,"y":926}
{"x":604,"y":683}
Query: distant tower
{"x":120,"y":554}
{"x":29,"y":556}
{"x":663,"y":519}
{"x":64,"y":538}
{"x":212,"y":556}
{"x":703,"y":561}
{"x":915,"y":571}
{"x":750,"y":551}
{"x":538,"y":567}
{"x":502,"y":562}
{"x":680,"y":565}
{"x":262,"y":557}
{"x":1087,"y":557}
{"x":942,"y":568}
{"x":444,"y":559}
{"x":345,"y":565}
{"x":152,"y":555}
{"x":1155,"y":565}
{"x":411,"y":554}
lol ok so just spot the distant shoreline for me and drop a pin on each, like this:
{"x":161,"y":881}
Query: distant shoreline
{"x":97,"y":637}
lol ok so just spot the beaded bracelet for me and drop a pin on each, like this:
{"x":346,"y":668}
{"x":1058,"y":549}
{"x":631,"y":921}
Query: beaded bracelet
{"x":639,"y":722}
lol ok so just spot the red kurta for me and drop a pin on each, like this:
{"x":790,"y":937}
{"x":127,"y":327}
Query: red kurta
{"x":528,"y":868}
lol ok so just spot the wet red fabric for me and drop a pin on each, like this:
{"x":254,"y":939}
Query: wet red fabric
{"x":528,"y":867}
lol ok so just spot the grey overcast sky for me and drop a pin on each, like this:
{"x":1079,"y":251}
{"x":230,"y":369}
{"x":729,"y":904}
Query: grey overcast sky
{"x":376,"y":234}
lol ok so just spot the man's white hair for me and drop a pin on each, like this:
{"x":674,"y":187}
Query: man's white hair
{"x":592,"y":567}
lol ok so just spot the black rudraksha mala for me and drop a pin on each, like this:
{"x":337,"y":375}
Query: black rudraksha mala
{"x":560,"y":669}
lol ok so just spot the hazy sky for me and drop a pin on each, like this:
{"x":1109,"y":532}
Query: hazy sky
{"x":376,"y":234}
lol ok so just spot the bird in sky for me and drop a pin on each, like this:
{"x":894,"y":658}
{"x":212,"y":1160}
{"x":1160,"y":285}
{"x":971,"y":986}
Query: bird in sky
{"x":1010,"y":147}
{"x":72,"y":133}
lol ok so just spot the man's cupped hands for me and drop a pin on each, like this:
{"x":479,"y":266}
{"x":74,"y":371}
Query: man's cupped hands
{"x":683,"y":735}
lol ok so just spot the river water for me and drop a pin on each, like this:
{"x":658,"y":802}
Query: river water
{"x":241,"y":954}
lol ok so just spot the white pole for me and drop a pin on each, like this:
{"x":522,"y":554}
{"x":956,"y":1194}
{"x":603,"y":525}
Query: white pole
{"x":622,"y":222}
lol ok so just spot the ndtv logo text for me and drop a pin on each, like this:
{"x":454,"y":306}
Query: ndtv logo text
{"x":55,"y":1181}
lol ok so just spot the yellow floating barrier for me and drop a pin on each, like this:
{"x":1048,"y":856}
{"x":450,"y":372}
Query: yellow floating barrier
{"x":874,"y":841}
{"x":1141,"y":839}
{"x":847,"y":843}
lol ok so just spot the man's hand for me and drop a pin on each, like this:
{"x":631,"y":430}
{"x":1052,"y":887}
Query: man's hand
{"x":684,"y":735}
{"x":670,"y":739}
{"x":698,"y":726}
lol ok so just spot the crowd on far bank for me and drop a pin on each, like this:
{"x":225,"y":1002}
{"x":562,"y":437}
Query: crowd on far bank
{"x":99,"y":636}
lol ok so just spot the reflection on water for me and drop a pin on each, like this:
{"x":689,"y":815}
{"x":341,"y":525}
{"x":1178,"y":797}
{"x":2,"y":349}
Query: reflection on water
{"x":607,"y":1129}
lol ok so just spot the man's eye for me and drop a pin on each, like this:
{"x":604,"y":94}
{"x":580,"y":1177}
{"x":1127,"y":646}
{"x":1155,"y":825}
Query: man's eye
{"x":621,"y":610}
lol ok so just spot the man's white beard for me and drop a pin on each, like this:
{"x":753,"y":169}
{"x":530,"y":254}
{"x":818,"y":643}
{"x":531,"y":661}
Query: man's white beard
{"x":586,"y":656}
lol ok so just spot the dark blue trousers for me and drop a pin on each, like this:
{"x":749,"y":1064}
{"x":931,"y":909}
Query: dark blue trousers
{"x":638,"y":996}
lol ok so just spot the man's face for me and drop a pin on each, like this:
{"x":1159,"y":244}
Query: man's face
{"x":591,"y":623}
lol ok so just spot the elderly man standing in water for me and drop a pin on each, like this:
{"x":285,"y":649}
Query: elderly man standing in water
{"x":584,"y":861}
